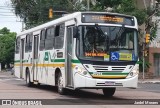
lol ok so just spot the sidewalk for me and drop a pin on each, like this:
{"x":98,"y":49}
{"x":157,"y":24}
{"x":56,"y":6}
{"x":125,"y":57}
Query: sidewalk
{"x":154,"y":81}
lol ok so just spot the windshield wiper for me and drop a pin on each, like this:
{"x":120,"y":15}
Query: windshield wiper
{"x":103,"y":35}
{"x":121,"y":30}
{"x":100,"y":30}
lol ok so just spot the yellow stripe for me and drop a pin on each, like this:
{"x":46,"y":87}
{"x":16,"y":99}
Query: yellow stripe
{"x":51,"y":65}
{"x":16,"y":64}
{"x":43,"y":65}
{"x":73,"y":65}
{"x":109,"y":76}
{"x":27,"y":64}
{"x":23,"y":64}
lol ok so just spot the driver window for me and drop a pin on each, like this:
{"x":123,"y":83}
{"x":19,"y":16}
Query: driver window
{"x":126,"y":40}
{"x":93,"y":40}
{"x":129,"y":40}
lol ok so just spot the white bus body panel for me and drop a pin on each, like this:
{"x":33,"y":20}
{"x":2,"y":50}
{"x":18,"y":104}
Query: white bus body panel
{"x":86,"y":82}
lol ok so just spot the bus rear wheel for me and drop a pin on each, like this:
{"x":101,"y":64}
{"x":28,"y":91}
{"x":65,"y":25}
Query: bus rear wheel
{"x":109,"y":92}
{"x":61,"y":89}
{"x":28,"y":81}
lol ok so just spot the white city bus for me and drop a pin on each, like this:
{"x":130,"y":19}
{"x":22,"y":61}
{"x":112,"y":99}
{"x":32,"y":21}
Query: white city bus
{"x":94,"y":50}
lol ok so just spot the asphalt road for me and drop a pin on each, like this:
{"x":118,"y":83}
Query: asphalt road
{"x":14,"y":88}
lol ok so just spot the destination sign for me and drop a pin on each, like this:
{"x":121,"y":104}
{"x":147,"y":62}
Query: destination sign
{"x":107,"y":18}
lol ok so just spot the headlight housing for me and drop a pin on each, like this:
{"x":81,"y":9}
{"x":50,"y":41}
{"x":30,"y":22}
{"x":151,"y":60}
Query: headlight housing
{"x":134,"y":71}
{"x":82,"y":71}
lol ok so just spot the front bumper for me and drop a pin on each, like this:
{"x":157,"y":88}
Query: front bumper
{"x":86,"y":82}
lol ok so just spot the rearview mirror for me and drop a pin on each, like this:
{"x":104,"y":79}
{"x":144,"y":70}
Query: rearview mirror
{"x":75,"y":32}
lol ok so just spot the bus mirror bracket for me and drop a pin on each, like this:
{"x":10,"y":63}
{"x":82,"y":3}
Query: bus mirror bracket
{"x":75,"y":32}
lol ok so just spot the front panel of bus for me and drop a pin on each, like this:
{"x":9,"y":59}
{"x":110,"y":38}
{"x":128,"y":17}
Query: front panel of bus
{"x":107,"y":48}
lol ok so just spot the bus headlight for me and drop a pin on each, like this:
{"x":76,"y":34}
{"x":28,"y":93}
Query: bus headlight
{"x":78,"y":69}
{"x":82,"y":71}
{"x":134,"y":71}
{"x":85,"y":72}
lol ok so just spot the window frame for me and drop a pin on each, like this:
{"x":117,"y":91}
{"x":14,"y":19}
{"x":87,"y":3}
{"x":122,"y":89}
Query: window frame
{"x":42,"y":40}
{"x":28,"y":42}
{"x":49,"y":38}
{"x":17,"y":48}
{"x":59,"y":28}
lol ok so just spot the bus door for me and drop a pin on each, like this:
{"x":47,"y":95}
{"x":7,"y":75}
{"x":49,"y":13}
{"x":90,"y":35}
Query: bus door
{"x":68,"y":62}
{"x":35,"y":57}
{"x":21,"y":58}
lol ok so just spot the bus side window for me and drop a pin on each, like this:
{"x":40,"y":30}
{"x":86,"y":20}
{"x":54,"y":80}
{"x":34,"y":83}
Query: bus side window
{"x":17,"y":45}
{"x":28,"y":44}
{"x":59,"y":36}
{"x":42,"y":40}
{"x":49,"y":40}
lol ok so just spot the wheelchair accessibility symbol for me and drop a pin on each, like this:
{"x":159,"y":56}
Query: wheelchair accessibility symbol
{"x":114,"y":56}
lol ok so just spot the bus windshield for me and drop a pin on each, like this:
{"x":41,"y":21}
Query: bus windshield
{"x":107,"y":43}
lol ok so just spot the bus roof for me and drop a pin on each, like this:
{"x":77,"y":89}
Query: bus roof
{"x":66,"y":18}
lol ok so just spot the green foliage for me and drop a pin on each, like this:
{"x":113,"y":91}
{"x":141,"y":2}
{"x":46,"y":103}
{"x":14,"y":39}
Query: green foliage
{"x":4,"y":31}
{"x":146,"y":65}
{"x":7,"y":42}
{"x":35,"y":12}
{"x":140,"y":15}
{"x":108,"y":3}
{"x":125,"y":6}
{"x":153,"y":32}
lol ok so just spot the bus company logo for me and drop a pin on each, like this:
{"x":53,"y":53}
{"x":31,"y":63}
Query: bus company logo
{"x":21,"y":102}
{"x":6,"y":102}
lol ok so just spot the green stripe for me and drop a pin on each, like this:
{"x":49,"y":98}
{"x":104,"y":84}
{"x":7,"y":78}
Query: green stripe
{"x":17,"y":61}
{"x":90,"y":72}
{"x":75,"y":61}
{"x":58,"y":60}
{"x":111,"y":73}
{"x":63,"y":60}
{"x":25,"y":61}
{"x":54,"y":60}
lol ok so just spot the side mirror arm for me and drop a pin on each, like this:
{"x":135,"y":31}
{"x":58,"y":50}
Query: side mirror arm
{"x":75,"y":32}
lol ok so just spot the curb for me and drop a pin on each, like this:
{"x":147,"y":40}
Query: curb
{"x":149,"y":82}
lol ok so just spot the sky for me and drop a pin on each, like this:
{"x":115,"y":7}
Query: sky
{"x":8,"y":18}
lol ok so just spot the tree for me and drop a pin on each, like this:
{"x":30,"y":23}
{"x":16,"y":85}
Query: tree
{"x":7,"y":43}
{"x":4,"y":31}
{"x":35,"y":12}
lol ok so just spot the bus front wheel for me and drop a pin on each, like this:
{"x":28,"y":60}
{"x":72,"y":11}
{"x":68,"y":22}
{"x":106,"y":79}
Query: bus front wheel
{"x":109,"y":92}
{"x":61,"y":89}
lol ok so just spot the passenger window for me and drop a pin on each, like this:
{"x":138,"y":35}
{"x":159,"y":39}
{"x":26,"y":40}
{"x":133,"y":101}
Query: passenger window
{"x":49,"y":41}
{"x":42,"y":40}
{"x":28,"y":44}
{"x":59,"y":36}
{"x":17,"y":45}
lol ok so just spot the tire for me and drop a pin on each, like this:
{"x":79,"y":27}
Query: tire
{"x":28,"y":81}
{"x":61,"y":89}
{"x":109,"y":92}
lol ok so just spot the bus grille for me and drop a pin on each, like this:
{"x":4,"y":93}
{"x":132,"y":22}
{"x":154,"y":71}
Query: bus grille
{"x":99,"y":68}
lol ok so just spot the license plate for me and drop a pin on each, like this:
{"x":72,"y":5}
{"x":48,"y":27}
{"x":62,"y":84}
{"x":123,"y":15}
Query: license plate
{"x":109,"y":83}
